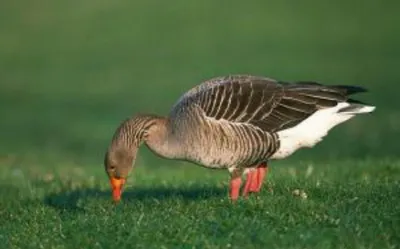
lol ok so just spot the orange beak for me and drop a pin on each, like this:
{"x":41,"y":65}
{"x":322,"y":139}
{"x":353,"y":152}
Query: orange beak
{"x":116,"y":185}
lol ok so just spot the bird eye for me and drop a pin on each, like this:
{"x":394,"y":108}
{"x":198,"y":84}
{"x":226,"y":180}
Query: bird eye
{"x":112,"y":168}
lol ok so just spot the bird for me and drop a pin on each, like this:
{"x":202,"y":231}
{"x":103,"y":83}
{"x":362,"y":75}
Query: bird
{"x":237,"y":122}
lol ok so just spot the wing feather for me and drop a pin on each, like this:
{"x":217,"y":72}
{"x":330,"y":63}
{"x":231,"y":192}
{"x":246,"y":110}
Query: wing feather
{"x":261,"y":102}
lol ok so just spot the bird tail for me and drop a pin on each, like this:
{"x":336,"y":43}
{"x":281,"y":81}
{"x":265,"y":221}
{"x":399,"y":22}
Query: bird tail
{"x":357,"y":107}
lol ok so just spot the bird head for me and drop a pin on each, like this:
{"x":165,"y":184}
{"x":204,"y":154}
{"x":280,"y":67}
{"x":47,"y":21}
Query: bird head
{"x":118,"y":164}
{"x":121,"y":154}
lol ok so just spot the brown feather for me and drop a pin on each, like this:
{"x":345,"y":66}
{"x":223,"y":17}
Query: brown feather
{"x":265,"y":103}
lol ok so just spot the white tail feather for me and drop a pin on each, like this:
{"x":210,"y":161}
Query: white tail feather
{"x":363,"y":109}
{"x":311,"y":130}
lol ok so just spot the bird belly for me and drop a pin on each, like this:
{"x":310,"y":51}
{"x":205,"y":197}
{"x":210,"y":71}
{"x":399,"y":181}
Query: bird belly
{"x":215,"y":160}
{"x":222,"y":156}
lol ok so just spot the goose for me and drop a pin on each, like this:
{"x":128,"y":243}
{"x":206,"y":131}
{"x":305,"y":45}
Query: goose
{"x":237,"y":122}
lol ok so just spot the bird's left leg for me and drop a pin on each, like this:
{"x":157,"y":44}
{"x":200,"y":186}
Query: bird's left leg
{"x":235,"y":183}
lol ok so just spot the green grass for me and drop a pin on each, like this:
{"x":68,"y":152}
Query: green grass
{"x":350,"y":204}
{"x":71,"y":71}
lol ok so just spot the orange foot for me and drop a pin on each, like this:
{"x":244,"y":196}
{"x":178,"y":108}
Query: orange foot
{"x":235,"y":188}
{"x":255,"y":179}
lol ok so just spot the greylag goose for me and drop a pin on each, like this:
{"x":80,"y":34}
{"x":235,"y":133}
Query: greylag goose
{"x":236,"y":122}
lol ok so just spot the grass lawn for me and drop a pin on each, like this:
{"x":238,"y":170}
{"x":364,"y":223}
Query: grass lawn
{"x":349,"y":204}
{"x":70,"y":71}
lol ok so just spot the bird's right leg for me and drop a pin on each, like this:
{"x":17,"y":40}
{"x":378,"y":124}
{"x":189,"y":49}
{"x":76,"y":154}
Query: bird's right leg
{"x":254,"y":179}
{"x":259,"y":176}
{"x":251,"y":181}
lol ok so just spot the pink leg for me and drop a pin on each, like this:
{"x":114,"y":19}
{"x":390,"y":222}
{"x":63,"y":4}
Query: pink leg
{"x":262,"y":171}
{"x":254,"y":180}
{"x":251,"y":176}
{"x":235,"y":187}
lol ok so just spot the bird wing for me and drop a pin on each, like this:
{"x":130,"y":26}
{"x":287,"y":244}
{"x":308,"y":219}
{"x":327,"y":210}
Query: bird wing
{"x":265,"y":103}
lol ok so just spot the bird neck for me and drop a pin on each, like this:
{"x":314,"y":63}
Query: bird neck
{"x":132,"y":132}
{"x":153,"y":130}
{"x":160,"y":139}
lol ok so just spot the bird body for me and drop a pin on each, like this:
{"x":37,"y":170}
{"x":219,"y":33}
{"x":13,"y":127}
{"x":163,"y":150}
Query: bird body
{"x":238,"y":123}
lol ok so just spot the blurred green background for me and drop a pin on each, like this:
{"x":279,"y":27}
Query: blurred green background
{"x":70,"y":71}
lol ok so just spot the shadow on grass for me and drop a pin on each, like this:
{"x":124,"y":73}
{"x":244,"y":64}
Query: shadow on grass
{"x":70,"y":200}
